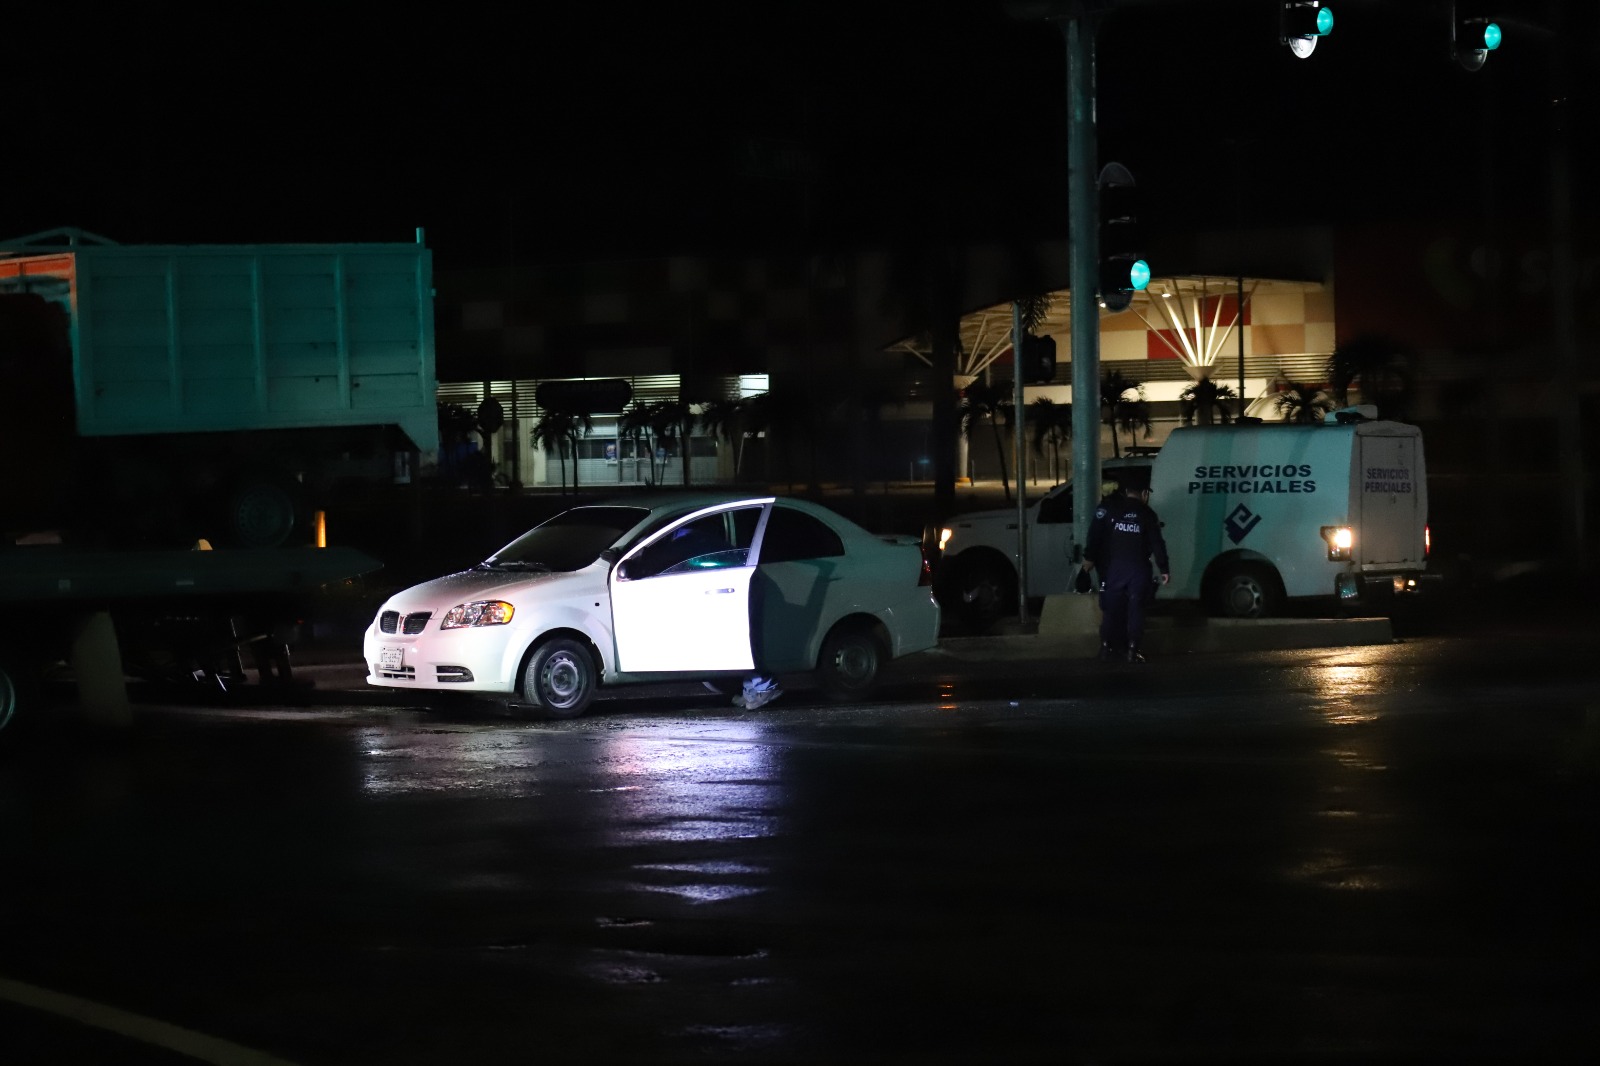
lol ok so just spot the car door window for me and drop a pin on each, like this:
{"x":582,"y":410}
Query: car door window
{"x":710,"y":542}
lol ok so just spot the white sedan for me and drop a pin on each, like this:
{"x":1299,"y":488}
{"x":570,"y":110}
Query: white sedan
{"x":691,"y":586}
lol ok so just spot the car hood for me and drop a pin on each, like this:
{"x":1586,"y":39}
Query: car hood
{"x":445,"y":592}
{"x":1005,"y":515}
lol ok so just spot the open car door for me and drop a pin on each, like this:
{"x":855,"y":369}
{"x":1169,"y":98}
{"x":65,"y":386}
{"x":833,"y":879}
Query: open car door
{"x":680,"y":601}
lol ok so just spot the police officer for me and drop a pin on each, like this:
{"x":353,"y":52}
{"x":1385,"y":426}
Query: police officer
{"x":1123,"y":536}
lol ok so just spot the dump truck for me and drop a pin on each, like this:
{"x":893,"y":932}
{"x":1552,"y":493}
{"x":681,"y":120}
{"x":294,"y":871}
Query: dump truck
{"x":157,"y":395}
{"x":171,"y":416}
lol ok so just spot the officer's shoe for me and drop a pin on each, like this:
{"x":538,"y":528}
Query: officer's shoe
{"x":1134,"y":656}
{"x":1107,"y":653}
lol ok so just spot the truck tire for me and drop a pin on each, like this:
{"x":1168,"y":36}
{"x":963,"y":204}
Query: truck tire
{"x":983,"y":592}
{"x":561,"y":678}
{"x":1248,"y":590}
{"x":262,"y":513}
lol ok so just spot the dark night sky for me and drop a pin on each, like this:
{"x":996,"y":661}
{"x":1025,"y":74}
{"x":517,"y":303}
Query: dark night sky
{"x":617,"y":128}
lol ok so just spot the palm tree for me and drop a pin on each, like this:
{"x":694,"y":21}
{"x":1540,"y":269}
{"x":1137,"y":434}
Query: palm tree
{"x":558,"y":431}
{"x":456,"y":426}
{"x":1201,"y":403}
{"x":635,"y":426}
{"x":670,"y":422}
{"x":725,"y":418}
{"x":992,"y":403}
{"x":1380,"y":367}
{"x":1118,"y":410}
{"x":1303,"y":403}
{"x":1052,"y":425}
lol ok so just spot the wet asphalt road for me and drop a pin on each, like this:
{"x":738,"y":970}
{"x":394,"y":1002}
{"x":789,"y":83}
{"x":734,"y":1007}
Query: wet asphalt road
{"x":1366,"y":854}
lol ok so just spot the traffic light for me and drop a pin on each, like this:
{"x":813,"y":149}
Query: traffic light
{"x":1473,"y":35}
{"x":1301,"y":22}
{"x":1037,"y":363}
{"x":1123,"y":270}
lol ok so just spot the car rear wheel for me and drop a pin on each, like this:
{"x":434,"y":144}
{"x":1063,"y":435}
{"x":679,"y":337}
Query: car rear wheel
{"x":560,"y":678}
{"x":851,"y":662}
{"x":1248,"y":590}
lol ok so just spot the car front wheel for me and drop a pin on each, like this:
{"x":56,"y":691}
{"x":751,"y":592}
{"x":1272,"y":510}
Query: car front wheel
{"x":851,"y":662}
{"x":984,"y":590}
{"x":560,"y":678}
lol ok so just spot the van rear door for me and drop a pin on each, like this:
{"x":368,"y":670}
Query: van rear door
{"x":1391,"y":501}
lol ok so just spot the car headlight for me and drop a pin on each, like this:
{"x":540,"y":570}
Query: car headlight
{"x":478,"y":613}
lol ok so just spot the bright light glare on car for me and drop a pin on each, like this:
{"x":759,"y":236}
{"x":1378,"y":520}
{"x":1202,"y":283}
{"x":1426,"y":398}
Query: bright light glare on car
{"x":944,"y":537}
{"x":479,"y":613}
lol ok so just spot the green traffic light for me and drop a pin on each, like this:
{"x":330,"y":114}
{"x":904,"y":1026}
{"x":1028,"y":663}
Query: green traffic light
{"x":1139,"y":275}
{"x":1325,"y":21}
{"x":1491,"y":36}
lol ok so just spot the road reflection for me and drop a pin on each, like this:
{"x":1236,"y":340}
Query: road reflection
{"x":1349,"y":697}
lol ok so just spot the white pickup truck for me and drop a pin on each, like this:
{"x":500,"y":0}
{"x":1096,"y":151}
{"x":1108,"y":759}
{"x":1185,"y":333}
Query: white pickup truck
{"x":1253,"y":515}
{"x":977,"y":580}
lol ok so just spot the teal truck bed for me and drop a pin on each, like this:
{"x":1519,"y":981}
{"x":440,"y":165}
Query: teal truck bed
{"x":222,"y":390}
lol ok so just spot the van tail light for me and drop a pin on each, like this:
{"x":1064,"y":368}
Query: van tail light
{"x":1427,"y":541}
{"x":1341,"y":541}
{"x":926,"y":577}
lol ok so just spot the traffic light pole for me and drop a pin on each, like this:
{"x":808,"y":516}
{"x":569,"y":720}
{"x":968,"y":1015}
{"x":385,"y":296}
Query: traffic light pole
{"x":1082,"y":214}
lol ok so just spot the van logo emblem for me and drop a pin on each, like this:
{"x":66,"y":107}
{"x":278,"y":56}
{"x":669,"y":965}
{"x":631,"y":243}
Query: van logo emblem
{"x":1240,"y":523}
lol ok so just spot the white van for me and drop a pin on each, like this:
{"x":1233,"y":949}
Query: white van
{"x":1259,"y":513}
{"x":1252,"y":514}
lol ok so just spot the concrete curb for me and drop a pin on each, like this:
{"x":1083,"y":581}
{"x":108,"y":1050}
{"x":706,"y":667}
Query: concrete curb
{"x":1069,"y":627}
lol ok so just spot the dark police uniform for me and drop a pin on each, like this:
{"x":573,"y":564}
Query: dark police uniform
{"x":1124,"y":535}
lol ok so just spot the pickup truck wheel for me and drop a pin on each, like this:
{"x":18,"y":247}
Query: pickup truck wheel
{"x":560,"y":678}
{"x":984,"y":592}
{"x":851,"y":660}
{"x":1248,"y":590}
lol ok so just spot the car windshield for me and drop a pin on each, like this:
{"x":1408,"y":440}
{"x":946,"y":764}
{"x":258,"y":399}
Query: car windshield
{"x":569,"y":541}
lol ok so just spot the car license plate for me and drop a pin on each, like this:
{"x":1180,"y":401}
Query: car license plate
{"x":391,"y":658}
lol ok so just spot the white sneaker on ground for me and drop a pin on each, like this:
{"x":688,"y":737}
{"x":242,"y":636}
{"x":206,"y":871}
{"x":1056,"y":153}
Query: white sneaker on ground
{"x":757,"y":691}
